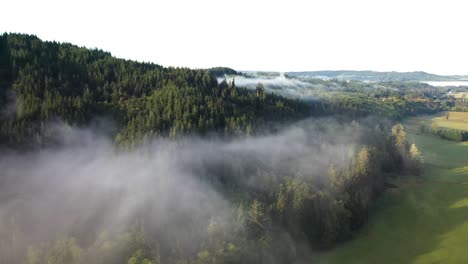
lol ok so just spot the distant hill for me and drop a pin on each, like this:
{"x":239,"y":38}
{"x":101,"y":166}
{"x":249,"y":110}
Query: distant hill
{"x":375,"y":76}
{"x":221,"y":71}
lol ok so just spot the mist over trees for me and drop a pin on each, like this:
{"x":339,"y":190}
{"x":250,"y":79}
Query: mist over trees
{"x":261,"y":199}
{"x":393,"y":99}
{"x":106,"y":160}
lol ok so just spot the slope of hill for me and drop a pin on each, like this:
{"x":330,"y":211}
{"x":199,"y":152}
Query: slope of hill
{"x":46,"y":81}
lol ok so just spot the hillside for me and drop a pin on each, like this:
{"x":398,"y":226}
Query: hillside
{"x":49,"y":81}
{"x":204,"y":171}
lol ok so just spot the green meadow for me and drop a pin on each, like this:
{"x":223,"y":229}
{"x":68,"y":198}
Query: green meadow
{"x":425,"y":219}
{"x":456,"y":120}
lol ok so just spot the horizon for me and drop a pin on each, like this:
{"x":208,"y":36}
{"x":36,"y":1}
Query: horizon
{"x":275,"y":36}
{"x":228,"y":66}
{"x":238,"y":70}
{"x":203,"y":132}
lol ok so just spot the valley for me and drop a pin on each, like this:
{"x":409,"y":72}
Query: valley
{"x":423,"y":219}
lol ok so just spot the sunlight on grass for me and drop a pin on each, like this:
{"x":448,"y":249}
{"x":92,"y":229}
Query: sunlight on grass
{"x":462,"y":170}
{"x":460,"y":203}
{"x":457,"y":120}
{"x":424,"y":220}
{"x":452,"y":248}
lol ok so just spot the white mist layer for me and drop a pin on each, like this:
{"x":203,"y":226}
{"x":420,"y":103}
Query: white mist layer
{"x":280,"y":84}
{"x":85,"y":186}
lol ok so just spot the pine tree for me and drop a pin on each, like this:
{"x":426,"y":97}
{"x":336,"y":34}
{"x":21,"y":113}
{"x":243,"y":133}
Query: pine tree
{"x":260,"y":89}
{"x":362,"y":163}
{"x":417,"y":160}
{"x":336,"y":181}
{"x":399,"y":136}
{"x":280,"y":205}
{"x":256,"y":220}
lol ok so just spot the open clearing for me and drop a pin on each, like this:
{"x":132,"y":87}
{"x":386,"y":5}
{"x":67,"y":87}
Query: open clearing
{"x":457,"y":120}
{"x":461,"y":95}
{"x":425,"y":220}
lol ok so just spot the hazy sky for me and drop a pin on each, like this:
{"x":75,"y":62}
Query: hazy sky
{"x":401,"y":35}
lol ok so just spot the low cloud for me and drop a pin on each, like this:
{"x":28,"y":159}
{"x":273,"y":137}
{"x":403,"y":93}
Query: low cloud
{"x":279,"y":84}
{"x":84,"y":186}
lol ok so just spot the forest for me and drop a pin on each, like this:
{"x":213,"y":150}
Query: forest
{"x":186,"y":168}
{"x":49,"y":81}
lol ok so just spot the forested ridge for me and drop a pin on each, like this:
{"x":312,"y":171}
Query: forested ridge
{"x":47,"y":81}
{"x":255,"y":198}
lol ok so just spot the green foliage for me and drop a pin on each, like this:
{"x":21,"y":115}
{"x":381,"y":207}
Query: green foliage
{"x":399,"y":135}
{"x":365,"y":101}
{"x":459,"y":109}
{"x":222,"y":71}
{"x":53,"y":81}
{"x":362,"y":167}
{"x":319,"y":209}
{"x":256,"y":220}
{"x":416,"y":159}
{"x":63,"y":251}
{"x":450,"y":134}
{"x":336,"y":179}
{"x":422,"y":221}
{"x":57,"y":81}
{"x":139,"y":258}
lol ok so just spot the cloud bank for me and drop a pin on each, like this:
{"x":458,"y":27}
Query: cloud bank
{"x":83,"y":186}
{"x":280,"y":84}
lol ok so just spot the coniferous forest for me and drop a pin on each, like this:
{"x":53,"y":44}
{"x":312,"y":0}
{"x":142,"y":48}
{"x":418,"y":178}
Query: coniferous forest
{"x":52,"y":81}
{"x":186,"y":168}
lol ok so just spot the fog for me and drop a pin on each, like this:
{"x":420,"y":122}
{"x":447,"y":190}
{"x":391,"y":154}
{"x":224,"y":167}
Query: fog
{"x":84,"y":185}
{"x":11,"y":105}
{"x":447,"y":83}
{"x":278,"y":83}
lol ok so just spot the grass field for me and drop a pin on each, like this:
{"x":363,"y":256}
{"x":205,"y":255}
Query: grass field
{"x":461,"y":95}
{"x":457,"y":120}
{"x":424,"y":220}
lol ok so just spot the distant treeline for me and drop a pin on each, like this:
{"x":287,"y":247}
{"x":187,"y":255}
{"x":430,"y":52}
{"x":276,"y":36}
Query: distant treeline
{"x":376,"y":76}
{"x":378,"y":103}
{"x":446,"y":133}
{"x":451,"y":134}
{"x":222,"y":71}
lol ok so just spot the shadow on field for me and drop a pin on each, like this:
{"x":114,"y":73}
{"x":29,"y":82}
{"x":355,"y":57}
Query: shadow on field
{"x":438,"y":233}
{"x":424,"y":220}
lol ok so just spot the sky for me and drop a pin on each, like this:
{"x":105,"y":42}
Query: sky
{"x":293,"y":35}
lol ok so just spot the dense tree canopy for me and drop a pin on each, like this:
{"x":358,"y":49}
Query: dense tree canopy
{"x":43,"y":82}
{"x":49,"y":81}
